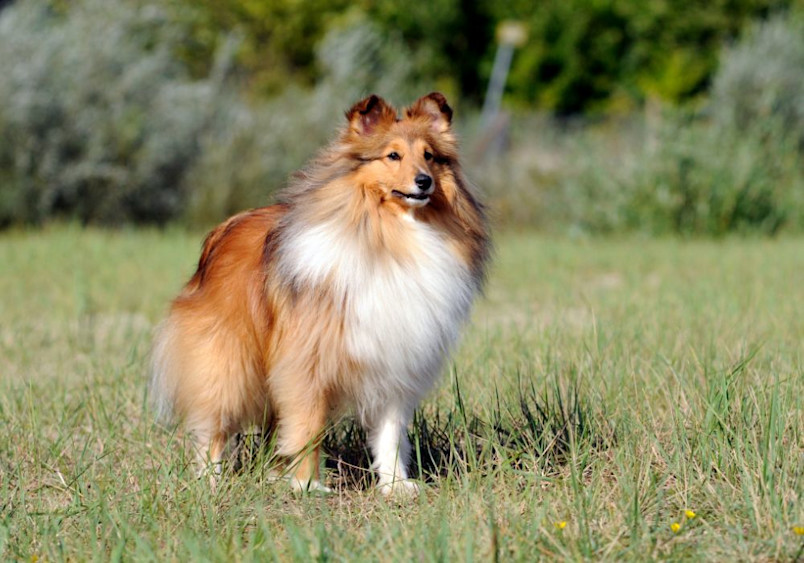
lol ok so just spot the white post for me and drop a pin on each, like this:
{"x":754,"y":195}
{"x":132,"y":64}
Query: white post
{"x":510,"y":34}
{"x":499,"y":74}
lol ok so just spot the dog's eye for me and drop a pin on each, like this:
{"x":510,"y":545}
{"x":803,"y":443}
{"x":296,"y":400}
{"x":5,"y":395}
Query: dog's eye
{"x":428,"y":155}
{"x":394,"y":156}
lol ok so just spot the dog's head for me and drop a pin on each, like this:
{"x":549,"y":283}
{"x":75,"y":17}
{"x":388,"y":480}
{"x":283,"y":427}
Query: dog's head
{"x":404,"y":161}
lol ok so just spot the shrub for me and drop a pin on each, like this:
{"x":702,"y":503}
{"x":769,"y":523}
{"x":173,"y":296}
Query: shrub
{"x":115,"y":130}
{"x":710,"y":180}
{"x":762,"y":78}
{"x":97,"y":119}
{"x":584,"y":56}
{"x":735,"y":168}
{"x":678,"y":174}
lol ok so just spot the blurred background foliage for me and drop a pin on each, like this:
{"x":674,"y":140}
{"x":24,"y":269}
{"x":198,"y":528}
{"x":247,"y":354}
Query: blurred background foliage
{"x":623,"y":115}
{"x":582,"y":55}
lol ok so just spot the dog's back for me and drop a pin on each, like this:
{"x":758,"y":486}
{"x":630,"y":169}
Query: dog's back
{"x":208,"y":353}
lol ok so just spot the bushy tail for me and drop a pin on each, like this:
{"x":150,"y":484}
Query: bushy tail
{"x":162,"y":388}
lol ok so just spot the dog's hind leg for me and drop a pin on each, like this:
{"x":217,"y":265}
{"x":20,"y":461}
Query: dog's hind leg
{"x":209,"y":447}
{"x":299,"y":434}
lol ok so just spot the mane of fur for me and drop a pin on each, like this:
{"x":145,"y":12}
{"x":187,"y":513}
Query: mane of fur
{"x":454,"y":209}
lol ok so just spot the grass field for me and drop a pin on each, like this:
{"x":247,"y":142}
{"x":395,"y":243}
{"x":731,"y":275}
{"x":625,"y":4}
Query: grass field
{"x":602,"y":389}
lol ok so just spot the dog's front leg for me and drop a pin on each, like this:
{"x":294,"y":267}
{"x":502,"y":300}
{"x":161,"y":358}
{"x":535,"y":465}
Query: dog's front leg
{"x":388,"y":439}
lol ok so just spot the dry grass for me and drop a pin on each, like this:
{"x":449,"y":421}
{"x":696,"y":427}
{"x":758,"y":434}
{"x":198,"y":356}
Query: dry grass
{"x":610,"y":385}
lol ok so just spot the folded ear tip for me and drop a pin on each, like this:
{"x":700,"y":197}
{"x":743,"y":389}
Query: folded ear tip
{"x":369,"y":102}
{"x":369,"y":113}
{"x":438,"y":97}
{"x":364,"y":106}
{"x":441,"y":100}
{"x":434,"y":105}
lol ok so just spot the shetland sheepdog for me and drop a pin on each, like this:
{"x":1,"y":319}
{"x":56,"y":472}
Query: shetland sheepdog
{"x":347,"y":294}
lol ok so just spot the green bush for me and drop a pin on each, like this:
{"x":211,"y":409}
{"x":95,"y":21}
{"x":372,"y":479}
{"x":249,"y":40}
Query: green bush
{"x":580,"y":56}
{"x":762,"y":79}
{"x":278,"y":37}
{"x":115,"y":130}
{"x":98,"y":121}
{"x":735,"y":167}
{"x":677,"y":174}
{"x":281,"y":38}
{"x":606,"y":57}
{"x":711,"y":180}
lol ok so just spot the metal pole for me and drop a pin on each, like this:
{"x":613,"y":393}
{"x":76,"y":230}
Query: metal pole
{"x":499,"y":74}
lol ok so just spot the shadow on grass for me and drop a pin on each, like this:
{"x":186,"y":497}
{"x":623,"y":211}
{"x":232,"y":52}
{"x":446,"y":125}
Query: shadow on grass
{"x":542,"y":432}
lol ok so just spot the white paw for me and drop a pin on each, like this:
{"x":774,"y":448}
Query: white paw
{"x":212,"y":472}
{"x":313,"y":486}
{"x":398,"y":488}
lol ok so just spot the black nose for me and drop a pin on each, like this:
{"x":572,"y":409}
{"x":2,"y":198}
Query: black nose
{"x":423,"y":181}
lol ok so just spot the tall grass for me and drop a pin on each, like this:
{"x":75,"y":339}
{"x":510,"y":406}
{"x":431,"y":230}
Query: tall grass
{"x":602,"y":389}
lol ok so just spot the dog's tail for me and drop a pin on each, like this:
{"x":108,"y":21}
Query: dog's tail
{"x":164,"y":371}
{"x":162,"y":385}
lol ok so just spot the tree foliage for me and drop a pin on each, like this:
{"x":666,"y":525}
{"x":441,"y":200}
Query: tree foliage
{"x":127,"y":111}
{"x":580,"y":55}
{"x":589,"y":55}
{"x":277,"y":37}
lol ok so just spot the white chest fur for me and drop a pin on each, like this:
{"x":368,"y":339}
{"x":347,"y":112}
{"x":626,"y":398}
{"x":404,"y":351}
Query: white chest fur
{"x":401,"y":316}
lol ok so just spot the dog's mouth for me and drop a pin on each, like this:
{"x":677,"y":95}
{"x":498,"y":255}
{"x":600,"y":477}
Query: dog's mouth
{"x":415,"y":199}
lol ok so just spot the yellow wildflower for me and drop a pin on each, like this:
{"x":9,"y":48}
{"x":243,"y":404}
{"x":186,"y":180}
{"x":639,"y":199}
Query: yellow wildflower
{"x":690,"y":514}
{"x":561,"y":525}
{"x":675,"y":526}
{"x":798,"y":530}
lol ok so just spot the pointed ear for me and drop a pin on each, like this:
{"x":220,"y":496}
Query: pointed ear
{"x":369,"y":114}
{"x":433,"y":107}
